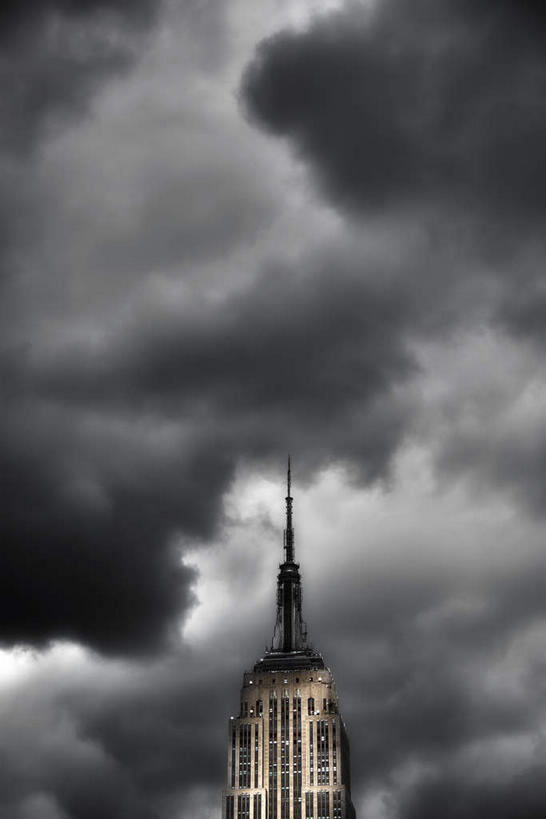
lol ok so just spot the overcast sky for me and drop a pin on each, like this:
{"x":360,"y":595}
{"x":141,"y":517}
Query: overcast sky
{"x":231,"y":230}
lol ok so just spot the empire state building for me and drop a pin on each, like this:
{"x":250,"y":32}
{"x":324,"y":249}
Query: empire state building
{"x":288,"y":752}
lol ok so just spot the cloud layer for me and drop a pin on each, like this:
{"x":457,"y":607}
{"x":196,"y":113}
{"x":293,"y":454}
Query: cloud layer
{"x":182,"y":304}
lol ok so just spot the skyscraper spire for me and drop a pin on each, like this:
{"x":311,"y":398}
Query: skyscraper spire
{"x":288,"y":752}
{"x":289,"y":531}
{"x":290,"y":633}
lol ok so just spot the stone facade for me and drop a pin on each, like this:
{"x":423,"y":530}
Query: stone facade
{"x":288,"y":751}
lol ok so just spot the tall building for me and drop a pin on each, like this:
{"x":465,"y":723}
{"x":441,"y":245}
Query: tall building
{"x":288,"y":751}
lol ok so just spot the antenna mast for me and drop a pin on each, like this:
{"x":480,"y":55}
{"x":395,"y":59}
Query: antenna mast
{"x":289,"y":531}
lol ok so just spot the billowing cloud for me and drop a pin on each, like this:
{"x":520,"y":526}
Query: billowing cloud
{"x":90,"y":531}
{"x":114,"y":449}
{"x":78,"y":564}
{"x":433,"y":113}
{"x":296,"y":353}
{"x":179,"y":309}
{"x":411,"y":106}
{"x":71,"y":745}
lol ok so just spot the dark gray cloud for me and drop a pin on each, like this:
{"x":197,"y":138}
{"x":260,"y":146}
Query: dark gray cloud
{"x":318,"y":361}
{"x":12,"y":12}
{"x":421,"y":104}
{"x":433,"y":110}
{"x":89,"y":532}
{"x":415,"y":637}
{"x":522,"y":311}
{"x":54,"y":56}
{"x":525,"y":312}
{"x":305,"y":346}
{"x":519,"y":796}
{"x":95,"y":508}
{"x":499,"y":454}
{"x":110,"y":451}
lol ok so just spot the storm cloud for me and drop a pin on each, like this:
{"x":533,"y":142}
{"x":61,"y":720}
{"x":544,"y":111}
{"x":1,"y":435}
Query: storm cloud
{"x":433,"y":114}
{"x":414,"y":105}
{"x":113,"y":450}
{"x":92,"y":756}
{"x":225,"y":237}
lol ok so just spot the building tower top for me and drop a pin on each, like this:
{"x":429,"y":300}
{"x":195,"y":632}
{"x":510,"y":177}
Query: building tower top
{"x":289,"y":647}
{"x":288,"y":751}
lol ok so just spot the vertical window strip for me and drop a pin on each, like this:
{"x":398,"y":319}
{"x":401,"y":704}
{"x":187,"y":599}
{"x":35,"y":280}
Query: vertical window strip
{"x":243,"y":806}
{"x":319,"y":752}
{"x":241,"y":750}
{"x":230,"y":806}
{"x":296,"y":755}
{"x":337,"y":805}
{"x":285,"y":756}
{"x":272,"y":805}
{"x":326,"y":755}
{"x":233,"y":743}
{"x":323,"y":771}
{"x":311,"y":755}
{"x":323,"y":805}
{"x":256,"y":753}
{"x":247,"y":755}
{"x":245,"y":758}
{"x":244,"y":755}
{"x":334,"y":752}
{"x":309,"y":798}
{"x":320,"y":728}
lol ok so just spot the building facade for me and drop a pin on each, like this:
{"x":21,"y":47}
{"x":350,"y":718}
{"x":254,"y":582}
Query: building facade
{"x":288,"y":751}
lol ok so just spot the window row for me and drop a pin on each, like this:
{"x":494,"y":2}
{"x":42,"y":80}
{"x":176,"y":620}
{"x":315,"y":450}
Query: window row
{"x":323,"y":805}
{"x":248,"y":710}
{"x":243,"y":806}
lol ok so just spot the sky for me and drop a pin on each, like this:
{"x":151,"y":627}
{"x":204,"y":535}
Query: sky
{"x":230,"y":231}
